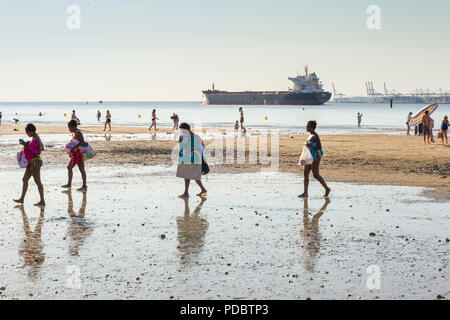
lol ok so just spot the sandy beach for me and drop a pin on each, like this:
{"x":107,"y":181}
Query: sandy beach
{"x":368,"y":159}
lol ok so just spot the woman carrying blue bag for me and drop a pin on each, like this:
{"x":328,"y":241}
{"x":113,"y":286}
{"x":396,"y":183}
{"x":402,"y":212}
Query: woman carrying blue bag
{"x":191,"y":164}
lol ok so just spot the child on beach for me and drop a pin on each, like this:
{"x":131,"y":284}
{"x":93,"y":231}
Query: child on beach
{"x":359,"y":116}
{"x":315,"y":147}
{"x":444,"y":129}
{"x":236,"y":126}
{"x":32,"y":150}
{"x":76,"y":158}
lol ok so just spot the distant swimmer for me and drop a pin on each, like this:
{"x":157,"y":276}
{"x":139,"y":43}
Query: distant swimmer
{"x":175,"y":119}
{"x":74,"y":117}
{"x":408,"y":121}
{"x":241,"y":111}
{"x":16,"y":120}
{"x":154,"y":118}
{"x":359,"y":116}
{"x":99,"y":115}
{"x":108,"y":120}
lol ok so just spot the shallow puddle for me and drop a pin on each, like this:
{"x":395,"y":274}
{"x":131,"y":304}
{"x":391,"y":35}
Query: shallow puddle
{"x":250,"y":238}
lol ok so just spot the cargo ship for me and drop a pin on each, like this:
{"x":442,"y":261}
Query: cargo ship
{"x":307,"y":90}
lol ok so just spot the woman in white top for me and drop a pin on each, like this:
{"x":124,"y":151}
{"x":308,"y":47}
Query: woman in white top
{"x":190,"y":159}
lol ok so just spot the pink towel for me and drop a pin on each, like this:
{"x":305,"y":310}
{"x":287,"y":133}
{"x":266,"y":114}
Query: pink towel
{"x":32,"y":150}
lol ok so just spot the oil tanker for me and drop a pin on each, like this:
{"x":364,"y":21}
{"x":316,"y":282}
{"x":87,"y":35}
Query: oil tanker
{"x":307,"y":90}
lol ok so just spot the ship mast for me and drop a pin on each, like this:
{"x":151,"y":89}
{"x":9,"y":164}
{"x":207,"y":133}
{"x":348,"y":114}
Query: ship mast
{"x":306,"y":71}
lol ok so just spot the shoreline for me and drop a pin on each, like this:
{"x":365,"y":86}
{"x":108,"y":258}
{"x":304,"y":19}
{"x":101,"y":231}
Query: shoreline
{"x":376,"y":159}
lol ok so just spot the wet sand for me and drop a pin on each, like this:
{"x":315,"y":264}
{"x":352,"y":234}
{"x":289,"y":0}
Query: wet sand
{"x":130,"y":237}
{"x":369,"y":159}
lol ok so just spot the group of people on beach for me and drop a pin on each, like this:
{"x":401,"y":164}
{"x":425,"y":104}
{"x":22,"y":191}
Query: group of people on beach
{"x":33,"y":149}
{"x":426,"y":128}
{"x":191,"y":162}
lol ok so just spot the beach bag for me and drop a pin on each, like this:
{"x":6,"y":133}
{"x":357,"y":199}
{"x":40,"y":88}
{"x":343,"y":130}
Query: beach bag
{"x":22,"y":160}
{"x":205,"y":167}
{"x":87,"y":152}
{"x":306,"y":157}
{"x":70,"y":145}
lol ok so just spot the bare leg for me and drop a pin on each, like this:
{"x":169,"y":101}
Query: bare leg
{"x":203,"y":191}
{"x":69,"y":175}
{"x":25,"y":179}
{"x":315,"y":169}
{"x":83,"y":175}
{"x":306,"y":171}
{"x":36,"y":171}
{"x":186,"y":189}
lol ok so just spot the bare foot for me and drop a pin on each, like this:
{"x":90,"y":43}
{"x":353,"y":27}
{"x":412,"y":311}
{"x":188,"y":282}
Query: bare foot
{"x":184,"y":196}
{"x":40,"y":204}
{"x":83,"y":189}
{"x":303,"y":195}
{"x":67,"y":186}
{"x":327,"y":192}
{"x":18,"y":201}
{"x":203,"y":192}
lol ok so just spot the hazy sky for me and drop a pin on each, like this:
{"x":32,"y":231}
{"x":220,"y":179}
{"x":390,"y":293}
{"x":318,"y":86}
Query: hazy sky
{"x":171,"y":50}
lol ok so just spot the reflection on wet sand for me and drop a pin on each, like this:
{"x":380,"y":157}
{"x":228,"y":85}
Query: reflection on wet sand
{"x":32,"y":248}
{"x":191,"y":232}
{"x":310,"y":235}
{"x":153,"y":138}
{"x":78,"y":229}
{"x":108,"y":137}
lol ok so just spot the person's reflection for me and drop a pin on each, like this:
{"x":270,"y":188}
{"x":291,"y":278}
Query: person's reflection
{"x":108,"y":137}
{"x":176,"y":136}
{"x":191,"y":232}
{"x":153,"y":136}
{"x":310,"y":235}
{"x":32,"y":248}
{"x":79,"y":229}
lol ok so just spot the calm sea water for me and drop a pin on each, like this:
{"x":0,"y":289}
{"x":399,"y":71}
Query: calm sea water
{"x":332,"y":118}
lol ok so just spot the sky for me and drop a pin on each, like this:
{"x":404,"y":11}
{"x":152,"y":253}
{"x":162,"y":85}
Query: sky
{"x":150,"y":50}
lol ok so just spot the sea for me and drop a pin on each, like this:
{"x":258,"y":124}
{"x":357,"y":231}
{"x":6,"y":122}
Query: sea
{"x":332,"y":118}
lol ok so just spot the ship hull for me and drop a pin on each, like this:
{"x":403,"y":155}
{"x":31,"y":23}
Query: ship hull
{"x":265,"y":98}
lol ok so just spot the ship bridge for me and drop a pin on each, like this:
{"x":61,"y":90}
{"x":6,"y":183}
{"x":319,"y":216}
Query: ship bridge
{"x":307,"y":83}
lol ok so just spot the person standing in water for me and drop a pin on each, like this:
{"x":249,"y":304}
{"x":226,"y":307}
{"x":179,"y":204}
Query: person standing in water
{"x":175,"y":119}
{"x":241,"y":111}
{"x":76,"y":157}
{"x":408,"y":121}
{"x":315,"y":147}
{"x":154,"y":118}
{"x":359,"y":116}
{"x":190,"y":159}
{"x":108,"y":120}
{"x":444,"y":129}
{"x":99,"y":115}
{"x":0,"y":117}
{"x":32,"y":152}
